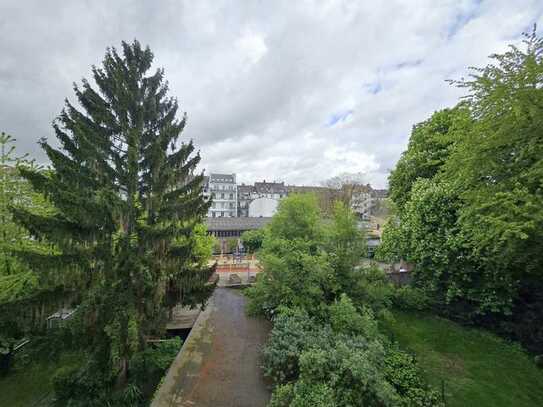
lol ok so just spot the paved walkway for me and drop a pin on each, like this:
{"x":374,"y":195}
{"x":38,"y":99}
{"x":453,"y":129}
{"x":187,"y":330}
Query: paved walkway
{"x":219,"y":363}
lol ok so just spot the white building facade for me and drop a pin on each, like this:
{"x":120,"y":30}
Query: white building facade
{"x":222,"y":189}
{"x":362,"y":201}
{"x":248,"y":193}
{"x":263,"y":207}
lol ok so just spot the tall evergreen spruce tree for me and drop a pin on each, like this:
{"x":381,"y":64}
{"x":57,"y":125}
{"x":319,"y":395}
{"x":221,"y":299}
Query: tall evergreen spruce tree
{"x":127,"y":202}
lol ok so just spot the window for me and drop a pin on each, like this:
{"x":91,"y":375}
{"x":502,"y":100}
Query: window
{"x":222,"y":195}
{"x":231,"y":196}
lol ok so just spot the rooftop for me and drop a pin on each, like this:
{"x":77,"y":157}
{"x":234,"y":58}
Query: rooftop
{"x":214,"y":224}
{"x":222,"y":178}
{"x":270,"y":187}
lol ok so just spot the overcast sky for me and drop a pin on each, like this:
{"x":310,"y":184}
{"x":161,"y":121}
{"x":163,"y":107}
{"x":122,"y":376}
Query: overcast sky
{"x":298,"y":91}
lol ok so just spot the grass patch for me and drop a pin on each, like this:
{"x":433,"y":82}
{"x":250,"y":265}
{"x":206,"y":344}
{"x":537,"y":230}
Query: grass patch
{"x":479,"y":368}
{"x":28,"y":384}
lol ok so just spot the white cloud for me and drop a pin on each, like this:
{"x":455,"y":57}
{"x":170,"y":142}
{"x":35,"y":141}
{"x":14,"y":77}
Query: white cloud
{"x":260,"y":81}
{"x":252,"y":46}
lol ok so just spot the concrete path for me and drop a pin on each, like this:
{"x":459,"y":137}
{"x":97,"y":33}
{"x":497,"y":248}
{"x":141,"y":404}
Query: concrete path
{"x":219,"y":363}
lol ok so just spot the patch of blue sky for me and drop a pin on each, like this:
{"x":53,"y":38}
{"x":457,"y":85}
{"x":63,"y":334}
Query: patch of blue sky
{"x":374,"y":87}
{"x":408,"y":64}
{"x":463,"y":17}
{"x":339,"y":117}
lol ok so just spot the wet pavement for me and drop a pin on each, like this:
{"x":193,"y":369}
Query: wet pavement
{"x":219,"y":364}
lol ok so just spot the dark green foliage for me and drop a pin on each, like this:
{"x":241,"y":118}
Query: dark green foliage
{"x":429,"y":148}
{"x":302,"y":394}
{"x":344,"y":244}
{"x":372,"y":288}
{"x":352,"y":369}
{"x":77,"y":387}
{"x":252,"y":240}
{"x":154,"y":360}
{"x":26,"y":295}
{"x":346,"y":319}
{"x":83,"y":386}
{"x":232,"y":245}
{"x":293,"y":332}
{"x":325,"y":348}
{"x":308,"y":261}
{"x":402,"y":371}
{"x":469,"y":199}
{"x":65,"y":383}
{"x":126,"y":208}
{"x":296,"y":270}
{"x":345,"y":364}
{"x":298,"y":217}
{"x":411,"y":298}
{"x":293,"y":276}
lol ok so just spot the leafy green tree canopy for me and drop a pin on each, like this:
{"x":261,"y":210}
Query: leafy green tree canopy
{"x":127,"y":201}
{"x":469,"y":196}
{"x":429,"y":147}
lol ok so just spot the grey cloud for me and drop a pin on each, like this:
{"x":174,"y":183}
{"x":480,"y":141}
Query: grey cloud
{"x":260,"y":80}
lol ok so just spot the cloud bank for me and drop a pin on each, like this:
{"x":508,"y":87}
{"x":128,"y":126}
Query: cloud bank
{"x":295,"y":91}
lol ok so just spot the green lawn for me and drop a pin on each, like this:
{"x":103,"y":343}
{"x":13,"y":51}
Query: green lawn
{"x":479,"y":368}
{"x":26,"y":385}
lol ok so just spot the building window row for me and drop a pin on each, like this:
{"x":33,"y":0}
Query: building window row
{"x":222,"y":195}
{"x":227,"y":233}
{"x":222,"y":187}
{"x":222,"y":214}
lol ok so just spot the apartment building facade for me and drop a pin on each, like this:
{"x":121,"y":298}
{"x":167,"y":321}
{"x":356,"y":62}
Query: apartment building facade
{"x":261,"y":199}
{"x":261,"y":191}
{"x":362,"y":201}
{"x":222,"y":189}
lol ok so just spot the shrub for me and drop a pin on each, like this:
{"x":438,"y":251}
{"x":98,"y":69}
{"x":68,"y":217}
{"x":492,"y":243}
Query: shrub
{"x":303,"y":394}
{"x":130,"y":396}
{"x":294,"y":276}
{"x":81,"y":387}
{"x":325,"y":348}
{"x":86,"y":387}
{"x":351,"y":367}
{"x":64,"y":382}
{"x":293,"y":332}
{"x":410,"y":298}
{"x":231,"y":244}
{"x":152,"y":363}
{"x":403,"y":373}
{"x":344,"y":363}
{"x":372,"y":289}
{"x":344,"y":318}
{"x":217,"y":246}
{"x":252,"y":240}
